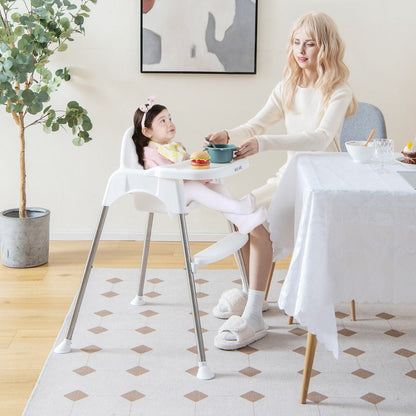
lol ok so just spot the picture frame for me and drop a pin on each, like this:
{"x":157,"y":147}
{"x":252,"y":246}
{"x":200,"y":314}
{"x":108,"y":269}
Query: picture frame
{"x":211,"y":37}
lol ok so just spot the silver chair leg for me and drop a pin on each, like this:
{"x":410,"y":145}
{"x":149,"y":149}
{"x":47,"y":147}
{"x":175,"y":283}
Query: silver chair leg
{"x":65,"y":345}
{"x":239,"y":258}
{"x":204,"y":372}
{"x":138,"y":300}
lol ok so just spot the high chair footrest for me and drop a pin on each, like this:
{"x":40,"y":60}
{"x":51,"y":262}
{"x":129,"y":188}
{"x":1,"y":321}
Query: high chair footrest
{"x":219,"y":250}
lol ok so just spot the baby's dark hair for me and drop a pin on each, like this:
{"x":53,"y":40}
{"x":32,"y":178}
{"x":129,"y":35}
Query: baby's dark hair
{"x":139,"y":139}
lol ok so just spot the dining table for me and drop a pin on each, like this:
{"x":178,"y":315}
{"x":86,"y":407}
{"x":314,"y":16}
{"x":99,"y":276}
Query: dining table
{"x":351,"y":230}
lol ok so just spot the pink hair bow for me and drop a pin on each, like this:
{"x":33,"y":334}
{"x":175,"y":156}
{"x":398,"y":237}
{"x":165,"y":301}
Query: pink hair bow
{"x":146,"y":107}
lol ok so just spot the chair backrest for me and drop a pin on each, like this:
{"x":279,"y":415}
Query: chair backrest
{"x":151,"y":194}
{"x":358,"y":127}
{"x":128,"y":155}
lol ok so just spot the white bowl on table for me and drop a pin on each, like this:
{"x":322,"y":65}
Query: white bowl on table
{"x":359,"y":152}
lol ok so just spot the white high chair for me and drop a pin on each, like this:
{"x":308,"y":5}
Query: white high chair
{"x":160,"y":189}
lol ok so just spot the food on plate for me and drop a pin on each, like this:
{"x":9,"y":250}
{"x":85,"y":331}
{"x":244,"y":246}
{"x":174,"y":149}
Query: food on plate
{"x":200,"y":160}
{"x":409,"y":153}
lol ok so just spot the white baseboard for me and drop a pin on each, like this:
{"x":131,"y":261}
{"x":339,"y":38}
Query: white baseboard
{"x":134,"y":237}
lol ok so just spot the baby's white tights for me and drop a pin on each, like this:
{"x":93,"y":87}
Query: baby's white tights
{"x":246,"y":223}
{"x":215,"y":196}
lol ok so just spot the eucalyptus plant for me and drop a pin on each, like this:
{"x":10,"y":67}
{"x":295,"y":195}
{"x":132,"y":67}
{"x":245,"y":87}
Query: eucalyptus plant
{"x":31,"y":31}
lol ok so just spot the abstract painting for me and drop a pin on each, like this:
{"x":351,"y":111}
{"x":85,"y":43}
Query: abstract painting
{"x":199,"y":36}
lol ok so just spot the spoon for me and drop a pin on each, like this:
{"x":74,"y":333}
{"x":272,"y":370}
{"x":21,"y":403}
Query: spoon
{"x":210,"y":141}
{"x":372,"y":132}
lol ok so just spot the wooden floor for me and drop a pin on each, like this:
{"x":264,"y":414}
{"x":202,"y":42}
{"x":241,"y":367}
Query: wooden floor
{"x":34,"y":303}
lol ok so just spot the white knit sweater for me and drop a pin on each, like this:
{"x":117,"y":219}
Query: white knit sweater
{"x":308,"y":129}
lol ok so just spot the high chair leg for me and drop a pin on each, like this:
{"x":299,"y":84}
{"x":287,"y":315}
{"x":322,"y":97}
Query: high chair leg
{"x":239,"y":258}
{"x":138,"y":300}
{"x":243,"y":272}
{"x":65,"y":345}
{"x":269,"y":279}
{"x":204,"y":371}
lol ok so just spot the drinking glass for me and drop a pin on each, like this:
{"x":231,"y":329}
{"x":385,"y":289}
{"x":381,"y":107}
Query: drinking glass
{"x":383,"y":152}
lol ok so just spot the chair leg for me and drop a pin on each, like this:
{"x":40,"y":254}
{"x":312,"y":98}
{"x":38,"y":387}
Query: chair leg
{"x":352,"y":307}
{"x":204,"y":371}
{"x":239,"y":258}
{"x":269,"y":280}
{"x":307,"y":369}
{"x":138,"y":300}
{"x":65,"y":345}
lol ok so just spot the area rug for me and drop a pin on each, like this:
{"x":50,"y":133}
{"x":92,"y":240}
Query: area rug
{"x":129,"y":360}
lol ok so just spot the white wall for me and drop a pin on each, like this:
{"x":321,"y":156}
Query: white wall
{"x":70,"y":181}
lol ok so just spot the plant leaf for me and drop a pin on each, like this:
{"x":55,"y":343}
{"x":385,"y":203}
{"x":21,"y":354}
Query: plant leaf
{"x":63,"y":47}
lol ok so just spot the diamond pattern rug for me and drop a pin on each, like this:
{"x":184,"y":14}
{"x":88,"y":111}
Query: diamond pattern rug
{"x":129,"y":360}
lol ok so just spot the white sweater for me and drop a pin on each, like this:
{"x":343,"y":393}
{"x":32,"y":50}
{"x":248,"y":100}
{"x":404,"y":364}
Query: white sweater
{"x":307,"y":129}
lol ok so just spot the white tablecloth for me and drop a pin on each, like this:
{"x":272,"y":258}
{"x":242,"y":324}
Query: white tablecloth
{"x":352,"y":232}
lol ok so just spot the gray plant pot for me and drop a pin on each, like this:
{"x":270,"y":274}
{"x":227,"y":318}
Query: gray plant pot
{"x":24,"y":241}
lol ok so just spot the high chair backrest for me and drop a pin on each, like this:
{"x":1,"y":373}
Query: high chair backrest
{"x":151,"y":194}
{"x":128,"y":156}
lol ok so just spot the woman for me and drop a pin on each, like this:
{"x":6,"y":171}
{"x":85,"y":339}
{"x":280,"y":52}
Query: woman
{"x":313,"y":100}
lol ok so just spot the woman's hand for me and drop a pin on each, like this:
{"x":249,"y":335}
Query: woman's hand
{"x":247,"y":148}
{"x":218,"y":137}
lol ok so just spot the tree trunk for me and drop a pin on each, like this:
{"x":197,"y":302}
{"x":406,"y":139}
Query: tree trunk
{"x":22,"y":207}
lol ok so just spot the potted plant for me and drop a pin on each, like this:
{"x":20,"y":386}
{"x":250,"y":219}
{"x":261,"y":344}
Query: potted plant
{"x":31,"y":31}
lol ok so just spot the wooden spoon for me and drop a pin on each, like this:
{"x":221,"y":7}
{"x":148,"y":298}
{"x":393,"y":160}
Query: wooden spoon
{"x":372,"y":132}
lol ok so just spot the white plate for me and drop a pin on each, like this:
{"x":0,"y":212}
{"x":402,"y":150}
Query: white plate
{"x":407,"y":165}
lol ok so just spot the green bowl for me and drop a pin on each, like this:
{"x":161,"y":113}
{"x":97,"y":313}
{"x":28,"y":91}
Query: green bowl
{"x":221,"y":153}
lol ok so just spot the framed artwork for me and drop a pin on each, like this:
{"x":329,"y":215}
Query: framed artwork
{"x":194,"y":36}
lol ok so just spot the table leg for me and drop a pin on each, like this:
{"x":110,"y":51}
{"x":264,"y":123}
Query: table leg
{"x":352,"y":307}
{"x":307,"y":369}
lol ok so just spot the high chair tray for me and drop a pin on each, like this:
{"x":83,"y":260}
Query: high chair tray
{"x":183,"y":170}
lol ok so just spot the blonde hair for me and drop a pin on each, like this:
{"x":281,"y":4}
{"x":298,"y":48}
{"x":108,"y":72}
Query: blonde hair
{"x":332,"y":72}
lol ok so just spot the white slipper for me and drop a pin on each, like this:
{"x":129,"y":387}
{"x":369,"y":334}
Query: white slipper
{"x":232,"y":302}
{"x":242,"y":331}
